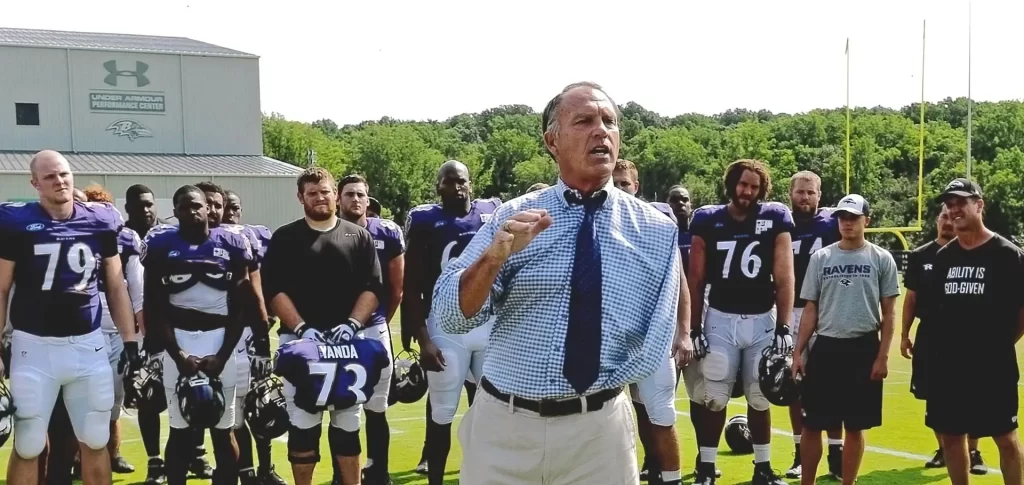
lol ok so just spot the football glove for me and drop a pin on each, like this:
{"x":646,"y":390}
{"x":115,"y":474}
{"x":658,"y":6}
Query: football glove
{"x":343,"y":332}
{"x":306,"y":332}
{"x":261,"y":345}
{"x":700,"y":343}
{"x":130,"y":359}
{"x":783,"y":343}
{"x":260,"y":367}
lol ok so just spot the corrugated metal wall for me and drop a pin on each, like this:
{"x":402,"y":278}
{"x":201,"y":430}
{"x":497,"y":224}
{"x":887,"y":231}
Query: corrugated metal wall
{"x":270,"y":201}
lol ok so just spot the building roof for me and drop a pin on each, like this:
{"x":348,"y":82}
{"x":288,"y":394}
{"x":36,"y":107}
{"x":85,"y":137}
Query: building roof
{"x":113,"y":42}
{"x":158,"y":164}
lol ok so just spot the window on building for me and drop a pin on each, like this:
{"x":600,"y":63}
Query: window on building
{"x":27,"y":114}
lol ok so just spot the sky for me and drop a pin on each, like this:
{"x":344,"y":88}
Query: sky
{"x":356,"y":60}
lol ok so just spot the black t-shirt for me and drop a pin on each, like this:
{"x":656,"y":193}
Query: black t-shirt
{"x":920,"y":263}
{"x":323,"y":273}
{"x":978,"y":295}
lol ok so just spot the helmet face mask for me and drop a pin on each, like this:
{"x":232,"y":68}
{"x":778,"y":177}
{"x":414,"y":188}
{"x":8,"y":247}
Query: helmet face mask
{"x":144,"y":388}
{"x":265,"y":410}
{"x":6,"y":413}
{"x":408,"y":380}
{"x":201,"y":400}
{"x":775,"y":378}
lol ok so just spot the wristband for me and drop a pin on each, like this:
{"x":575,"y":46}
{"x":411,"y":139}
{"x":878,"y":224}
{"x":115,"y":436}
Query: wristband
{"x":355,"y":323}
{"x":298,"y":329}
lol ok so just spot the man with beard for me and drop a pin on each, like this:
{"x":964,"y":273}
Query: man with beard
{"x":815,"y":229}
{"x":654,"y":397}
{"x":437,"y":234}
{"x":744,"y":251}
{"x":256,"y":343}
{"x":197,"y":297}
{"x":919,"y":271}
{"x":140,"y":205}
{"x":322,"y":278}
{"x":977,"y":307}
{"x":387,"y":238}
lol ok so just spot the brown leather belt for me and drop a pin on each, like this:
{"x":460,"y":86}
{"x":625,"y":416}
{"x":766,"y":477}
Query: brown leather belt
{"x":550,"y":408}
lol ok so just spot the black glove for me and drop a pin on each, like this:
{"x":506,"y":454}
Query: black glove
{"x":5,"y":355}
{"x":261,"y":345}
{"x":130,"y":359}
{"x":700,"y":343}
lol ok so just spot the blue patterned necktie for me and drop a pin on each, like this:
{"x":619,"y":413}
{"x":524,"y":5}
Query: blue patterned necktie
{"x":583,"y":337}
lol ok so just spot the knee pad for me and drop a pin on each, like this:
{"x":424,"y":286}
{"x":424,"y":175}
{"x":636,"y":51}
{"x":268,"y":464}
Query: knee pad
{"x":716,"y":395}
{"x":29,"y":437}
{"x":302,"y":441}
{"x":755,"y":399}
{"x":663,"y":414}
{"x":96,"y":432}
{"x":716,"y":366}
{"x":347,"y":419}
{"x":344,"y":443}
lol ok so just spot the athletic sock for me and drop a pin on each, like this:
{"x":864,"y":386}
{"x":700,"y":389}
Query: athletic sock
{"x":762,"y":453}
{"x":708,"y":455}
{"x":835,"y":442}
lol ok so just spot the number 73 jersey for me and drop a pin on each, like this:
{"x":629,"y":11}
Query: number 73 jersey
{"x":57,"y":265}
{"x":331,"y":376}
{"x":740,"y":255}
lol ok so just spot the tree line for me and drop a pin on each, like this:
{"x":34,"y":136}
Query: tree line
{"x":504,"y":151}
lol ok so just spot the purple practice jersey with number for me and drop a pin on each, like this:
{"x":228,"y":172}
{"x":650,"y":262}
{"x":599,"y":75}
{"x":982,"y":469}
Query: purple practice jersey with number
{"x":217,"y":263}
{"x":740,"y":256}
{"x":444,"y":236}
{"x":810,"y":235}
{"x":57,"y":265}
{"x":331,"y":376}
{"x":388,"y":240}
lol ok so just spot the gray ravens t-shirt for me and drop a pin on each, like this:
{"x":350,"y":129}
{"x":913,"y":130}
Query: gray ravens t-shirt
{"x":848,"y":287}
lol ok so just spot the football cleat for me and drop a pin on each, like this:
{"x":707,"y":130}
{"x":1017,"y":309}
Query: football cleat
{"x":764,"y":475}
{"x":705,"y":474}
{"x":409,"y":380}
{"x":121,"y":466}
{"x":200,"y":468}
{"x":737,"y":435}
{"x":6,"y":414}
{"x":835,"y":461}
{"x":268,"y":476}
{"x":265,"y":410}
{"x":422,"y":468}
{"x":155,"y":474}
{"x":201,"y":400}
{"x":937,"y":461}
{"x":977,"y":464}
{"x":775,"y":378}
{"x":696,"y":466}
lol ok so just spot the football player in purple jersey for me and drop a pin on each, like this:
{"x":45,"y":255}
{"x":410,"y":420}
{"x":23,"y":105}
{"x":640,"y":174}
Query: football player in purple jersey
{"x":654,"y":397}
{"x":814,"y":228}
{"x":197,"y":298}
{"x":743,"y":250}
{"x":55,"y":251}
{"x":257,"y":349}
{"x":390,"y":245}
{"x":437,"y":234}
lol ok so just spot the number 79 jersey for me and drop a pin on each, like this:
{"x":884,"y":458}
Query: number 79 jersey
{"x":443,"y":236}
{"x":740,"y":255}
{"x":331,"y":376}
{"x":57,"y":265}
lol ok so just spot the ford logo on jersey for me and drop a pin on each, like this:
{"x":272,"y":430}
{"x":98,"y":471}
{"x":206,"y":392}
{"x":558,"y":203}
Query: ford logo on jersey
{"x":35,"y":227}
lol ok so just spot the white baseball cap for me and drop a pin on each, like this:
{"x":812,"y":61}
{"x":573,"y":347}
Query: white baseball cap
{"x":853,"y":204}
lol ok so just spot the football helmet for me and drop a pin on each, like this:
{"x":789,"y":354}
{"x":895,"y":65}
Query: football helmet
{"x":409,"y":380}
{"x":201,"y":400}
{"x":737,"y":435}
{"x":775,"y":377}
{"x":265,"y":409}
{"x":6,"y":413}
{"x":144,"y":388}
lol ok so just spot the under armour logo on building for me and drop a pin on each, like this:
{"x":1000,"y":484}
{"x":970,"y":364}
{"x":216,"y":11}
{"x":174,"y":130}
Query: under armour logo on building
{"x":139,"y":73}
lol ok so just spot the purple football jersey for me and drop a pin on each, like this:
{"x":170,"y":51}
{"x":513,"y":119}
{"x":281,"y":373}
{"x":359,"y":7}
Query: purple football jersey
{"x":445,"y":236}
{"x":331,"y":376}
{"x":740,"y":256}
{"x":809,"y":235}
{"x":57,"y":265}
{"x":388,"y":240}
{"x":218,"y":262}
{"x":128,"y":244}
{"x":263,"y":236}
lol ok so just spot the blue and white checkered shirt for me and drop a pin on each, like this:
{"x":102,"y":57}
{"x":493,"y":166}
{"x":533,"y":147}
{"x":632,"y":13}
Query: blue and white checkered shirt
{"x":530,"y":297}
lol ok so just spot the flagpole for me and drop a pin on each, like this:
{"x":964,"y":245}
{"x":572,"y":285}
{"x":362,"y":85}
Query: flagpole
{"x":969,"y":103}
{"x":847,"y":115}
{"x":920,"y":161}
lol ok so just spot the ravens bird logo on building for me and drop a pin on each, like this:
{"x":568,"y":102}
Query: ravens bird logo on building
{"x":130,"y":128}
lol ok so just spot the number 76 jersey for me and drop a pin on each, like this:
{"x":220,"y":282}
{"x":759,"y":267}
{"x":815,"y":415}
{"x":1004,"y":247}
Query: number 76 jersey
{"x":331,"y":376}
{"x":740,"y":255}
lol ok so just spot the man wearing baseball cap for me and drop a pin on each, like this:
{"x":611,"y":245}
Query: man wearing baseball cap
{"x":978,"y":308}
{"x":851,"y":288}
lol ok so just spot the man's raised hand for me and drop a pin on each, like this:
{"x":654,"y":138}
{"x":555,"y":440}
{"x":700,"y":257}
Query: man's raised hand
{"x":518,"y":231}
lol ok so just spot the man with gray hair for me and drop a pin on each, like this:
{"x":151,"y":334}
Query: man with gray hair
{"x":585,"y":303}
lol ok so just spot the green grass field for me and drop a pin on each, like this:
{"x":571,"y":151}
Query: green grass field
{"x":896,"y":451}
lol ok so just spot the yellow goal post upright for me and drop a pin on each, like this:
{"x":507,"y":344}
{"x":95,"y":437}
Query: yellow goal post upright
{"x":896,"y":231}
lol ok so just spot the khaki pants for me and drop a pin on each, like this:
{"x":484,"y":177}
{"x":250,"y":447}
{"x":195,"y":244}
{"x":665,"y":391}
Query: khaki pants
{"x":511,"y":447}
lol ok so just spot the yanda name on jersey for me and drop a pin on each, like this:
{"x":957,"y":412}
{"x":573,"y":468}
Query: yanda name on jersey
{"x":331,"y":376}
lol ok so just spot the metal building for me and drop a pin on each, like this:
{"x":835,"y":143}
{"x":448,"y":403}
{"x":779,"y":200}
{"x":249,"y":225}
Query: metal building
{"x":128,"y":109}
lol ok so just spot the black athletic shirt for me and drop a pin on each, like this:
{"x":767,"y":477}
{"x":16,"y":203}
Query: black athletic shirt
{"x":978,"y":295}
{"x":322,"y":272}
{"x":920,"y":264}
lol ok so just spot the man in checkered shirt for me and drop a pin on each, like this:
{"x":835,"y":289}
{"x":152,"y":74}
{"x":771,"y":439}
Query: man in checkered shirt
{"x":583,"y":282}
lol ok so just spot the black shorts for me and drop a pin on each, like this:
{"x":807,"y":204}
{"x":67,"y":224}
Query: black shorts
{"x":837,"y":388}
{"x":959,"y":410}
{"x":919,"y":366}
